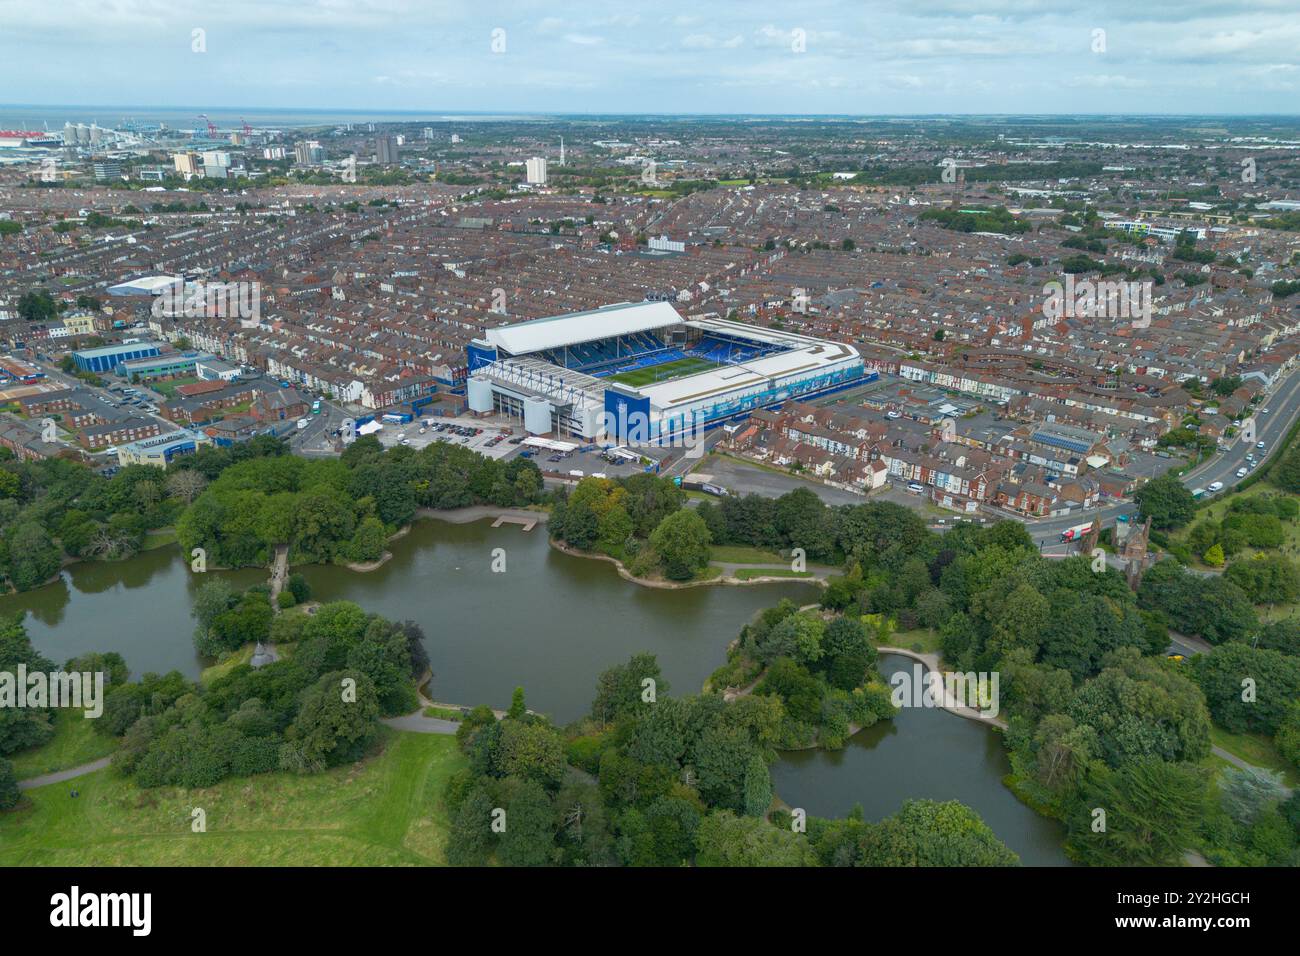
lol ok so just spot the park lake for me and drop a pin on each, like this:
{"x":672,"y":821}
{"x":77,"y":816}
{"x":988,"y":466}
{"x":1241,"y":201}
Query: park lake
{"x":550,"y":622}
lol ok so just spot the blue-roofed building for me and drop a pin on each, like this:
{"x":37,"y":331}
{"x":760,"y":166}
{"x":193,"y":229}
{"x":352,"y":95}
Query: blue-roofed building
{"x":1066,"y":437}
{"x":161,"y":449}
{"x":109,"y":357}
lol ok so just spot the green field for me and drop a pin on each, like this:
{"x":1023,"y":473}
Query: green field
{"x":743,"y":554}
{"x":74,"y":742}
{"x":1255,"y":749}
{"x":749,"y":574}
{"x":385,"y":810}
{"x":922,"y":640}
{"x":167,"y":387}
{"x":662,"y":373}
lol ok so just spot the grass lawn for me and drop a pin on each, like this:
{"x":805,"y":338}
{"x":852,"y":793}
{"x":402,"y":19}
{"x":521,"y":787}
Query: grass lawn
{"x":661,"y":373}
{"x":743,"y":554}
{"x":1219,"y":510}
{"x":74,"y":742}
{"x":444,"y":713}
{"x":235,"y":658}
{"x":227,"y":664}
{"x":1255,"y":749}
{"x":159,"y":538}
{"x":748,"y":574}
{"x":922,"y":639}
{"x":168,"y":387}
{"x":383,"y":811}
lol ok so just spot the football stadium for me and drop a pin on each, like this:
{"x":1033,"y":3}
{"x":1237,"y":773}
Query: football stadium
{"x":640,"y":373}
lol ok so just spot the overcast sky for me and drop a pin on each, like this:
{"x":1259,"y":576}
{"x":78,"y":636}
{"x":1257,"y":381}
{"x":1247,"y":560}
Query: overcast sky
{"x":704,"y":56}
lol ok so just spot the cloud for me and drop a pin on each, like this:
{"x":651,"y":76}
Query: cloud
{"x":995,"y":56}
{"x":1102,"y":81}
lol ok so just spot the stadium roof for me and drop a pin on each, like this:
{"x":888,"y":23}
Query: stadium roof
{"x":147,"y":285}
{"x":561,"y":330}
{"x":805,"y":355}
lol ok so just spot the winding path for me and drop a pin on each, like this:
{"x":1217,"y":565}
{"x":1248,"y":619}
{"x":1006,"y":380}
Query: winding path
{"x":59,"y":776}
{"x":418,"y":723}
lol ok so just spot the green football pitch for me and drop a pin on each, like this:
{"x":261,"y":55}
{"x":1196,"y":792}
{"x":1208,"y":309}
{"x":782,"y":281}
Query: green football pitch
{"x":662,"y":373}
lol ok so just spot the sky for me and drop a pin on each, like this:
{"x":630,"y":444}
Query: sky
{"x":663,"y":56}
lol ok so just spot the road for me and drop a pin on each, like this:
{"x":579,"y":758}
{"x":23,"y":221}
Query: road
{"x":1283,"y":408}
{"x":317,"y":438}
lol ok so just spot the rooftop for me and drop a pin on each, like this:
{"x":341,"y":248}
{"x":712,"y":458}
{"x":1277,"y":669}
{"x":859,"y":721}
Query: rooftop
{"x":557,"y":331}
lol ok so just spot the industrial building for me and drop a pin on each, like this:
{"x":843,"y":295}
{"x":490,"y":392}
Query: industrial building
{"x":109,"y":357}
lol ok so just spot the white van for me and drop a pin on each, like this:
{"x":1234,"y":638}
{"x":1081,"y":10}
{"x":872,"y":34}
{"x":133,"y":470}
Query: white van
{"x":1215,"y":487}
{"x":302,"y":423}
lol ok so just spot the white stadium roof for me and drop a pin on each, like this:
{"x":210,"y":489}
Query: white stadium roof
{"x":558,"y":331}
{"x":806,"y":355}
{"x":147,"y":285}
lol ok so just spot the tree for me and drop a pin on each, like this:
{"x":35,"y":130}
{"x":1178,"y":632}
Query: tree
{"x":21,"y":728}
{"x":33,"y":557}
{"x":682,"y":543}
{"x":721,"y":758}
{"x":1248,"y":690}
{"x":580,"y":526}
{"x":9,"y":792}
{"x":582,"y":825}
{"x":213,"y":598}
{"x":803,"y":521}
{"x":471,"y":840}
{"x":1266,"y":579}
{"x":1288,"y":735}
{"x":529,"y":836}
{"x":728,"y":840}
{"x":37,"y":306}
{"x":1287,"y":473}
{"x":847,"y":653}
{"x":1140,"y":709}
{"x":930,"y":833}
{"x":1166,"y":502}
{"x":517,"y":706}
{"x":799,"y":690}
{"x":1246,"y":793}
{"x":186,"y":485}
{"x":334,"y":721}
{"x":757,"y":795}
{"x":621,"y":690}
{"x":530,"y":751}
{"x":1153,"y":811}
{"x":613,"y":528}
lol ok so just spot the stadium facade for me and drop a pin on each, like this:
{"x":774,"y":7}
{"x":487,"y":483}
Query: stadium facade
{"x":639,"y":373}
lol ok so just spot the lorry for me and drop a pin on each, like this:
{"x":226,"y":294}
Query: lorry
{"x":302,"y":423}
{"x":1076,"y":533}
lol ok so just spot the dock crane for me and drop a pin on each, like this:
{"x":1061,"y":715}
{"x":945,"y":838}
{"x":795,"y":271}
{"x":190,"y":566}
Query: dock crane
{"x":212,"y":127}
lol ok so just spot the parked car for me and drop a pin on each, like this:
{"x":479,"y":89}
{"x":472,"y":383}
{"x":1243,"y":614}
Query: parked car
{"x":1241,"y":472}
